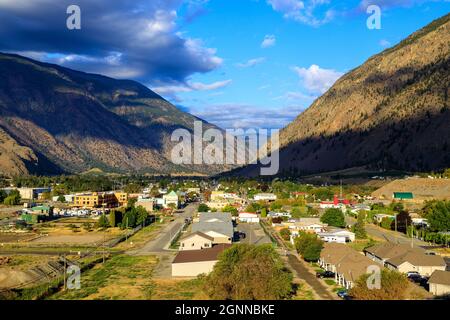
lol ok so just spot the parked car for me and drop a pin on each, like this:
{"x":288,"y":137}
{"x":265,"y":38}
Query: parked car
{"x":325,"y":274}
{"x":343,"y":294}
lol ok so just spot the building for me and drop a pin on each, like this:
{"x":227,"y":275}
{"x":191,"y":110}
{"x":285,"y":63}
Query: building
{"x":196,"y":241}
{"x":403,"y":196}
{"x":146,"y":203}
{"x":424,"y":264}
{"x":439,"y":283}
{"x":191,"y":263}
{"x":248,"y":217}
{"x":404,"y":258}
{"x":32,"y":193}
{"x":265,"y":197}
{"x":347,"y":264}
{"x":218,"y":225}
{"x":37,"y":214}
{"x":170,"y":199}
{"x":221,"y":195}
{"x":337,"y":235}
{"x":99,"y":200}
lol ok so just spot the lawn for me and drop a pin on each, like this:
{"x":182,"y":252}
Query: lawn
{"x":360,"y":245}
{"x":123,"y":277}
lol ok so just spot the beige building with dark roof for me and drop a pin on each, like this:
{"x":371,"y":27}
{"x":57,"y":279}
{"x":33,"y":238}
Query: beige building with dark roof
{"x":404,"y":258}
{"x":347,"y":264}
{"x":191,"y":263}
{"x":439,"y":282}
{"x":196,"y":241}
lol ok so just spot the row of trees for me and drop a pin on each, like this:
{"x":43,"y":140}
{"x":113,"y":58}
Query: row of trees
{"x":130,"y":217}
{"x":11,"y":199}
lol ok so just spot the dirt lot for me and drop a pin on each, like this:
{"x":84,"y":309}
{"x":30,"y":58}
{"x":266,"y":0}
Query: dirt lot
{"x":88,"y":238}
{"x":422,"y":188}
{"x":15,"y":237}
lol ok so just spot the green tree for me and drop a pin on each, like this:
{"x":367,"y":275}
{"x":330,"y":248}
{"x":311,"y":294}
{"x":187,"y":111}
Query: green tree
{"x":359,"y":227}
{"x":438,"y":215}
{"x":132,"y":188}
{"x":3,"y":195}
{"x":230,"y":209}
{"x":103,"y":222}
{"x":386,"y":223}
{"x":141,"y":216}
{"x":61,"y":198}
{"x":309,"y":246}
{"x":263,"y":213}
{"x":203,"y":208}
{"x":13,"y":198}
{"x":115,"y":218}
{"x":333,"y":217}
{"x":249,"y":272}
{"x":394,"y":286}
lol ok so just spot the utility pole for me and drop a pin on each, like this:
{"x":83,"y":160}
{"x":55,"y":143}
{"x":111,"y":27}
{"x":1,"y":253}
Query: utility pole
{"x":65,"y":268}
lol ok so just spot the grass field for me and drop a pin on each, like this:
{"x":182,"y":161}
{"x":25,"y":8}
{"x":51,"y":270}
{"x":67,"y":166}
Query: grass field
{"x":122,"y":277}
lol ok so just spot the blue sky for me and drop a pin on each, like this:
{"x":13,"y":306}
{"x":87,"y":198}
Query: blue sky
{"x":236,"y":63}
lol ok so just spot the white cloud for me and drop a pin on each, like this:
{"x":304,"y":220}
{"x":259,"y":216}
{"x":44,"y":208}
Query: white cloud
{"x":269,"y":41}
{"x":189,"y":86}
{"x":251,"y":63}
{"x":245,"y":116}
{"x":304,"y":11}
{"x":316,"y":79}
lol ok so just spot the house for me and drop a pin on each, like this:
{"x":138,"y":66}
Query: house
{"x":337,"y":235}
{"x":196,"y":241}
{"x":191,"y":263}
{"x":248,"y":217}
{"x":404,"y":258}
{"x":347,"y":264}
{"x":424,"y":264}
{"x":170,"y":200}
{"x":439,"y":283}
{"x":265,"y":197}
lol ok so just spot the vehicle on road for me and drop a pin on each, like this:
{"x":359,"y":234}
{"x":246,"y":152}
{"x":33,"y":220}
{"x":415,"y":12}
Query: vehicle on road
{"x":325,"y":274}
{"x":343,"y":294}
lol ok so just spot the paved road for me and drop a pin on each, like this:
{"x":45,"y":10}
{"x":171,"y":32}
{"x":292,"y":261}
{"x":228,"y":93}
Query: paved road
{"x":161,"y":243}
{"x":388,"y":235}
{"x":254,"y":233}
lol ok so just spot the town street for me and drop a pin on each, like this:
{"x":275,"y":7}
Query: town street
{"x":388,"y":235}
{"x":161,"y":243}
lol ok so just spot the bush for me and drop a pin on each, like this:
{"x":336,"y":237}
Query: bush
{"x":249,"y":272}
{"x":203,"y":208}
{"x":103,"y":222}
{"x":285,"y":234}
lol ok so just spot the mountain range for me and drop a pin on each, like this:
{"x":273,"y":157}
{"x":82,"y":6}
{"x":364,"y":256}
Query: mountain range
{"x":390,"y":113}
{"x":57,"y":120}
